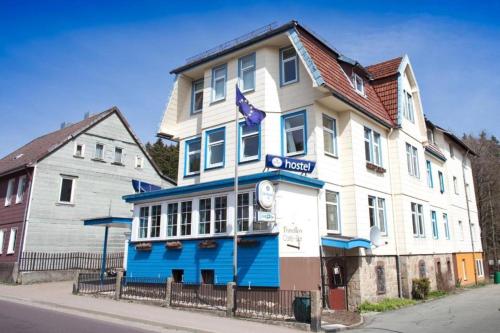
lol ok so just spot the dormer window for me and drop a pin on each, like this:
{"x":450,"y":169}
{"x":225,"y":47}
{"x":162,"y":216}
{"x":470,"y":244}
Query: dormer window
{"x":358,"y":83}
{"x":430,"y":135}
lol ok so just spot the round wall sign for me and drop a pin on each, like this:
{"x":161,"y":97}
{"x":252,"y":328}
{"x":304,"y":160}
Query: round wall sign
{"x":265,"y":194}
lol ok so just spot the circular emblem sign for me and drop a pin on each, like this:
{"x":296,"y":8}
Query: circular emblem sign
{"x":276,"y":162}
{"x":265,"y":194}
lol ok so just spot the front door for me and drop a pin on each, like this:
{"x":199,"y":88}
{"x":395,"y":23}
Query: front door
{"x":337,"y":285}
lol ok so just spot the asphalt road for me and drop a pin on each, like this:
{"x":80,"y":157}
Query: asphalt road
{"x":20,"y":318}
{"x":473,"y":311}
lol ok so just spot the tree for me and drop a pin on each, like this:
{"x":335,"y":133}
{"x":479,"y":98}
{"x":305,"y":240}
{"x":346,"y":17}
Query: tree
{"x":166,"y":157}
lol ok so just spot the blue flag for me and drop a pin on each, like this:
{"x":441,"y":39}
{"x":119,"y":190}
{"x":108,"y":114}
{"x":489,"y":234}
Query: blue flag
{"x":253,"y":116}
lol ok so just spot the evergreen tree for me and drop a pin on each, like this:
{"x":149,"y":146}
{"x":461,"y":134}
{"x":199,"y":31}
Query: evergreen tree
{"x":166,"y":157}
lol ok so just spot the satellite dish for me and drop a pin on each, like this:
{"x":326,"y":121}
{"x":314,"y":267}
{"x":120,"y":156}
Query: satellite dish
{"x":375,"y":236}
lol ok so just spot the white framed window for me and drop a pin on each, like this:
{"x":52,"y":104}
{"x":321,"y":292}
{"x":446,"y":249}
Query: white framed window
{"x":21,"y":188}
{"x":408,"y":107}
{"x":373,"y":150}
{"x":289,"y":66}
{"x":192,"y":157}
{"x":455,"y":184}
{"x":417,"y":218}
{"x":220,"y":210}
{"x":143,"y":222}
{"x":66,"y":193}
{"x":2,"y":236}
{"x":430,"y":181}
{"x":294,"y":133}
{"x":154,"y":230}
{"x":197,"y":96}
{"x":330,"y":135}
{"x":12,"y":241}
{"x":435,"y":229}
{"x":467,"y":190}
{"x":446,"y":226}
{"x":376,"y":211}
{"x":99,"y":151}
{"x":464,"y":270}
{"x":441,"y":182}
{"x":79,"y":150}
{"x":246,"y":73}
{"x":479,"y":267}
{"x":332,"y":212}
{"x":452,"y":152}
{"x":172,"y":218}
{"x":430,"y":135}
{"x":139,"y":162}
{"x":215,"y":148}
{"x":219,"y":78}
{"x":10,"y":191}
{"x":461,"y":230}
{"x":358,"y":84}
{"x":249,"y":143}
{"x":186,"y":217}
{"x":205,"y":214}
{"x":118,"y":155}
{"x":244,"y":217}
{"x":412,"y":161}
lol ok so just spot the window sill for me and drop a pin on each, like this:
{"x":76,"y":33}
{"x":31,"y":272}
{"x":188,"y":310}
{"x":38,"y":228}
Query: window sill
{"x":118,"y":163}
{"x":60,"y":203}
{"x":196,"y":113}
{"x":303,"y":153}
{"x":214,"y":167}
{"x":192,"y":175}
{"x":286,"y":84}
{"x":248,"y":91}
{"x":10,"y":254}
{"x":332,"y":155}
{"x":80,"y":157}
{"x":218,"y":101}
{"x":256,"y":159}
{"x":376,"y":168}
{"x":98,"y":160}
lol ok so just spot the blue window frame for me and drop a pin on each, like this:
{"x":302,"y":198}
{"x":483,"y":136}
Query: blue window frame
{"x":294,"y":134}
{"x":215,"y":147}
{"x":219,"y":78}
{"x":446,"y":226}
{"x":430,"y":182}
{"x":192,"y":157}
{"x":249,"y":140}
{"x":197,"y":96}
{"x":441,"y":181}
{"x":435,"y":232}
{"x":246,"y":73}
{"x":289,"y":66}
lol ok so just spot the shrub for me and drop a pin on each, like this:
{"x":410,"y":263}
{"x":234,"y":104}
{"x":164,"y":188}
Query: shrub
{"x":386,"y":304}
{"x":420,"y":288}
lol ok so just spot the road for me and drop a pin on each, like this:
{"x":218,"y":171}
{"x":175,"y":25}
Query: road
{"x":476,"y":310}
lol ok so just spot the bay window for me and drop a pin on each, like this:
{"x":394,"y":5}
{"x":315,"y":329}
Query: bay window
{"x":172,"y":210}
{"x":143,"y":222}
{"x":205,"y":210}
{"x":220,"y":209}
{"x":155,"y":221}
{"x":186,"y":215}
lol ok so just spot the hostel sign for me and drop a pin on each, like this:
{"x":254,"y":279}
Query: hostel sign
{"x":289,"y":164}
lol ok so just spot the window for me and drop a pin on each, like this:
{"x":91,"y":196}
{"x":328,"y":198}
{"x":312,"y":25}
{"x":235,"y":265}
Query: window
{"x":143,"y":222}
{"x":243,"y":211}
{"x":294,"y":136}
{"x":139,"y":162}
{"x":467,"y":191}
{"x":192,"y":157}
{"x":205,"y":210}
{"x":455,"y":184}
{"x":67,"y":189}
{"x":21,"y":188}
{"x":435,"y":231}
{"x":118,"y":155}
{"x":332,"y":212}
{"x":452,"y":152}
{"x":330,"y":135}
{"x":446,"y":226}
{"x":220,"y":214}
{"x":376,"y":211}
{"x":186,"y":211}
{"x":289,"y":66}
{"x":79,"y":150}
{"x":430,"y":135}
{"x":219,"y":76}
{"x":214,"y":144}
{"x":207,"y":276}
{"x":246,"y":72}
{"x":172,"y":210}
{"x":249,"y":142}
{"x":441,"y":181}
{"x":12,"y":241}
{"x":99,"y":151}
{"x":155,"y":221}
{"x":10,"y":191}
{"x":358,"y":83}
{"x":373,"y":151}
{"x":412,"y":160}
{"x":479,"y":267}
{"x":2,"y":235}
{"x":464,"y":270}
{"x":430,"y":181}
{"x":197,"y":97}
{"x":408,"y":107}
{"x":178,"y":275}
{"x":461,"y":230}
{"x":417,"y":218}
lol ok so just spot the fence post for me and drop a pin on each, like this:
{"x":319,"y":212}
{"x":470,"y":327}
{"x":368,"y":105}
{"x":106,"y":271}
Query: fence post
{"x":230,"y":301}
{"x":168,"y":292}
{"x":76,"y":284}
{"x":316,"y":308}
{"x":118,"y":287}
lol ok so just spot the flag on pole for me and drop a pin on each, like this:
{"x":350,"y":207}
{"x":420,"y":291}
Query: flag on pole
{"x":253,"y":116}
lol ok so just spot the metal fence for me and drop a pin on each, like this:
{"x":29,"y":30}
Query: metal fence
{"x":267,"y":303}
{"x":144,"y":288}
{"x":92,"y":283}
{"x":199,"y":295}
{"x":41,"y":261}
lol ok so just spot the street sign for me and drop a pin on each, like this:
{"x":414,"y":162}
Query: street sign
{"x":289,"y":164}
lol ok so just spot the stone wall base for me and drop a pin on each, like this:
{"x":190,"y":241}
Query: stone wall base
{"x":45,"y":276}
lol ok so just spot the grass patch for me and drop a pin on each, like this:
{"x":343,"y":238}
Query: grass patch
{"x":436,"y":294}
{"x":387,"y":304}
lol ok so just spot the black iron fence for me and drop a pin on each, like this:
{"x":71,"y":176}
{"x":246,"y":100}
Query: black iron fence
{"x":144,"y":288}
{"x":41,"y":261}
{"x":199,"y":295}
{"x":93,"y":283}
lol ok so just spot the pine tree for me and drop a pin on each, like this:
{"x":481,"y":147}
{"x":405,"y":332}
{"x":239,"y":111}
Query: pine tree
{"x":166,"y":157}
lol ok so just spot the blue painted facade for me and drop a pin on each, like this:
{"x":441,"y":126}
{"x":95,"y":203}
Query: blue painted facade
{"x":258,"y":265}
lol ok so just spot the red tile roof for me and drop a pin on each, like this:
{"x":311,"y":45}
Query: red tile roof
{"x":385,"y":68}
{"x":336,"y":80}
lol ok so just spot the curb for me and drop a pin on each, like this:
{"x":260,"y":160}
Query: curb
{"x":343,"y":328}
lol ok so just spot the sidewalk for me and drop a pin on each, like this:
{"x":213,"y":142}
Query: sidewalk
{"x":57,"y":296}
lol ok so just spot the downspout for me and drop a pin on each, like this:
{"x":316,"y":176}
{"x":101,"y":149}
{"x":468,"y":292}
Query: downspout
{"x":468,"y":216}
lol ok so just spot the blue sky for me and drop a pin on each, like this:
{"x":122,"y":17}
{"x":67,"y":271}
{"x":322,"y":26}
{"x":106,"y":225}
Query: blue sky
{"x":60,"y":59}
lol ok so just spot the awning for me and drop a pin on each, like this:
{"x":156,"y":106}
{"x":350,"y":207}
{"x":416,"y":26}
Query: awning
{"x":141,"y":187}
{"x":109,"y":221}
{"x":345,"y":242}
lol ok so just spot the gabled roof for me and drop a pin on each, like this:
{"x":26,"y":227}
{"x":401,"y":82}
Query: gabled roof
{"x":385,"y":68}
{"x":41,"y":147}
{"x":451,"y":136}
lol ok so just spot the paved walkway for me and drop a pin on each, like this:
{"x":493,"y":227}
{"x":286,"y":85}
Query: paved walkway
{"x":57,"y":296}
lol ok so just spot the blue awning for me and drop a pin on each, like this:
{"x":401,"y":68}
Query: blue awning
{"x":141,"y":187}
{"x":109,"y":221}
{"x":345,"y":243}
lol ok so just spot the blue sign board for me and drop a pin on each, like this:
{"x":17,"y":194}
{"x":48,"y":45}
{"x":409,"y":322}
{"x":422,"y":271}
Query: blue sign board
{"x":289,"y":164}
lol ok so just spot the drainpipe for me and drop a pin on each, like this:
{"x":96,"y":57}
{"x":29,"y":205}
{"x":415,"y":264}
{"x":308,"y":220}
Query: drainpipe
{"x":321,"y":269}
{"x":468,"y":215}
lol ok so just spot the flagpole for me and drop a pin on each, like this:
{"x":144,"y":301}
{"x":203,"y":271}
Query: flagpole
{"x":235,"y":223}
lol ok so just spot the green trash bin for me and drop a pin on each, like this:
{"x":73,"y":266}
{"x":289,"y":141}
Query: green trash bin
{"x":302,"y":309}
{"x":497,"y":278}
